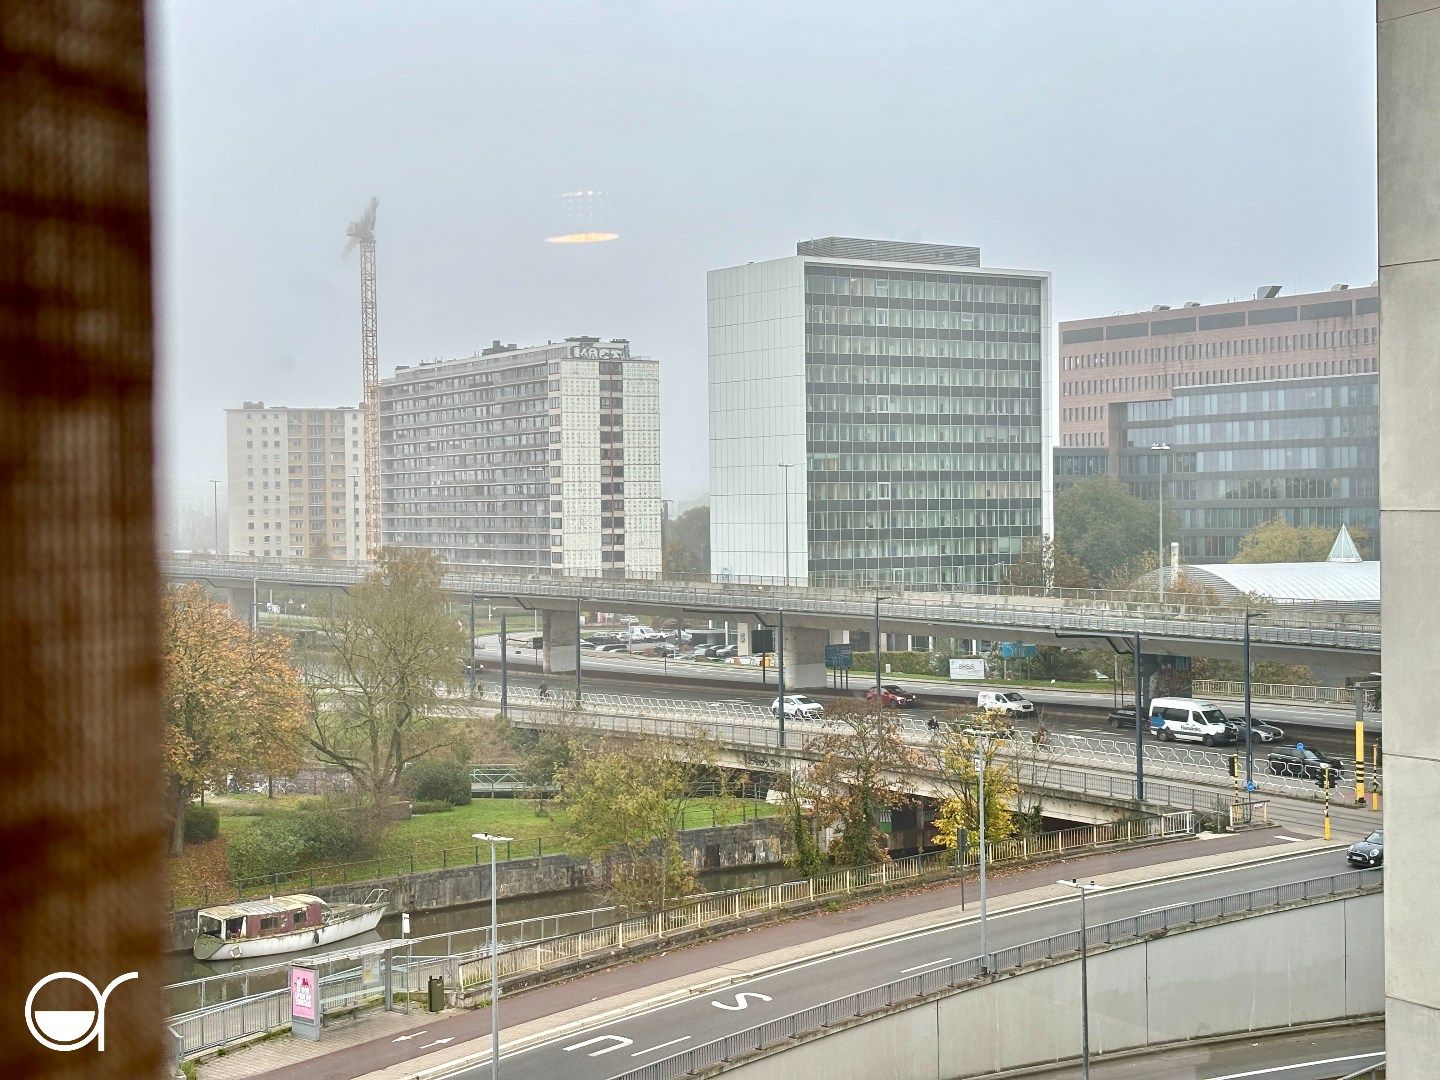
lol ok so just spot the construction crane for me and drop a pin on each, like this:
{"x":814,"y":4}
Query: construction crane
{"x":362,"y":234}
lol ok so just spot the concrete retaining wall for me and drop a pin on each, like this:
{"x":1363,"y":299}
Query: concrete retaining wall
{"x":1305,"y":965}
{"x":755,"y":843}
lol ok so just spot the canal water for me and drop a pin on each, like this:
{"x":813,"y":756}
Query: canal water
{"x":594,"y":907}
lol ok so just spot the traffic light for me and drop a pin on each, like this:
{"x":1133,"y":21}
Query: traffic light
{"x":1234,"y":764}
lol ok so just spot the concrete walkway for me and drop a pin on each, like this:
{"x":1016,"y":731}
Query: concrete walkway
{"x":360,"y":1049}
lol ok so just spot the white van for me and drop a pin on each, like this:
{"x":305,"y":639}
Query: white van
{"x":1006,"y":701}
{"x":1188,"y":719}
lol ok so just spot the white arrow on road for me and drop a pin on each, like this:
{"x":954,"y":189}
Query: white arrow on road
{"x":437,"y":1042}
{"x":412,"y":1035}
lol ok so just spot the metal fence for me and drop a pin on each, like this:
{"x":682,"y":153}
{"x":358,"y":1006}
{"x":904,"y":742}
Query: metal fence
{"x":967,"y":972}
{"x":346,"y":985}
{"x":726,"y":906}
{"x":1290,"y":623}
{"x":1260,"y":691}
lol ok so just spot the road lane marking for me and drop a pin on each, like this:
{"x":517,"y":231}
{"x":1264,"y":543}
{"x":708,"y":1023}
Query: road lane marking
{"x":672,"y":1042}
{"x":437,"y":1042}
{"x":619,"y":1040}
{"x":921,"y":967}
{"x":740,"y":1002}
{"x":416,"y":1035}
{"x":1290,"y":839}
{"x":1298,"y":1065}
{"x":960,"y":921}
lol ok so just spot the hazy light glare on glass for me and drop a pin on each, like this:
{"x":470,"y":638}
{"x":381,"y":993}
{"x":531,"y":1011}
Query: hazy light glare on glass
{"x":582,"y":219}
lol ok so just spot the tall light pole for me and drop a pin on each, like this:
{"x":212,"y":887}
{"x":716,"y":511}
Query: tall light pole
{"x":1160,"y":527}
{"x":1082,"y":889}
{"x":1245,"y":662}
{"x":486,"y":838}
{"x":785,"y":468}
{"x":983,"y":736}
{"x":215,"y":511}
{"x":879,"y":698}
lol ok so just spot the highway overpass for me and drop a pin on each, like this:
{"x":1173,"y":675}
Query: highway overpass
{"x":812,"y":617}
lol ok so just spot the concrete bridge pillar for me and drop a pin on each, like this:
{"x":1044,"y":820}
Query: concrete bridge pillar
{"x":805,"y":658}
{"x":562,"y":640}
{"x":242,"y":602}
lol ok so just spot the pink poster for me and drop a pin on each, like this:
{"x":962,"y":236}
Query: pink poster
{"x":304,"y":983}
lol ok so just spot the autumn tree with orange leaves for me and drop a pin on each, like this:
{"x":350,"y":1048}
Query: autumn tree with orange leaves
{"x":234,"y":704}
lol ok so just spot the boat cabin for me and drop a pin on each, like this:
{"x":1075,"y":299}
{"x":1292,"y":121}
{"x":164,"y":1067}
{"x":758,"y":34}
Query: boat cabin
{"x":262,"y":918}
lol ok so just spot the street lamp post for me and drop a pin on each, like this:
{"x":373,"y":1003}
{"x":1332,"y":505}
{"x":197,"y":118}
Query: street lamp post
{"x":780,"y":673}
{"x":1245,"y":662}
{"x":879,"y":698}
{"x":1082,"y":889}
{"x":577,"y":652}
{"x":504,"y":669}
{"x":215,"y":510}
{"x":472,"y":645}
{"x":1140,"y":721}
{"x":1160,"y":527}
{"x":487,"y":838}
{"x":980,"y":762}
{"x":785,"y":468}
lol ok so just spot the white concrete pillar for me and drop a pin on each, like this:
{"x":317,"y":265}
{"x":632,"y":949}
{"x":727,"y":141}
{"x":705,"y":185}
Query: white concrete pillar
{"x":805,"y":658}
{"x":1408,"y":52}
{"x":561,"y":640}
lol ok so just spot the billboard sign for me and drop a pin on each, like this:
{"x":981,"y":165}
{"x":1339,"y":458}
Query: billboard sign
{"x":840,"y":656}
{"x":967,"y":668}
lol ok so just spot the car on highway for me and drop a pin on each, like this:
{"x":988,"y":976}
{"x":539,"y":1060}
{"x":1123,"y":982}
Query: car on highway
{"x":1188,"y":720}
{"x":1260,"y":731}
{"x":1300,"y":760}
{"x":1121,"y":718}
{"x":704,"y":652}
{"x":1368,"y":852}
{"x":1006,"y":701}
{"x":723,"y":652}
{"x":798,"y":706}
{"x":893,"y":696}
{"x":615,"y":646}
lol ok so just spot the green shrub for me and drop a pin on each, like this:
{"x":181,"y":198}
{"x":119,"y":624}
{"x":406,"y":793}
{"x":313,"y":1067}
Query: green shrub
{"x":202,"y":824}
{"x":430,"y":806}
{"x":438,"y":781}
{"x":905,"y":663}
{"x":267,"y":848}
{"x":286,"y":841}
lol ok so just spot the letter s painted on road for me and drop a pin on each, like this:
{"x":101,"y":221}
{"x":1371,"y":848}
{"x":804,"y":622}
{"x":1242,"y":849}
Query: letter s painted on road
{"x":740,"y":1002}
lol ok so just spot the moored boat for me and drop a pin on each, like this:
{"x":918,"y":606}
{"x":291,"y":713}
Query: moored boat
{"x":281,"y":924}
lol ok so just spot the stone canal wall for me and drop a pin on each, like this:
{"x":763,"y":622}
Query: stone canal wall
{"x":756,"y":843}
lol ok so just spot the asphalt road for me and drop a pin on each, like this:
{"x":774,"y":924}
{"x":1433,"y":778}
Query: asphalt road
{"x":1310,"y":1055}
{"x":608,"y":1049}
{"x":1064,"y":710}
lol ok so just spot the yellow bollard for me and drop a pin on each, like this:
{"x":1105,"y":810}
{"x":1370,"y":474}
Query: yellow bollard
{"x":1325,"y":779}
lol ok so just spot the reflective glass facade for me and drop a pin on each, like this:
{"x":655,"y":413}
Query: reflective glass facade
{"x":1306,"y":450}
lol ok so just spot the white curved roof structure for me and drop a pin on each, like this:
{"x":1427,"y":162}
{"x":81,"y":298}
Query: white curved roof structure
{"x":1333,"y":582}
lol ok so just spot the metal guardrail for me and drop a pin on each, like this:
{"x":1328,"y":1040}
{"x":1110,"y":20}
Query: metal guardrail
{"x":1291,"y":623}
{"x":754,"y":727}
{"x":1370,"y":1072}
{"x":345,"y":986}
{"x":1276,"y":692}
{"x":845,"y":882}
{"x":966,"y":973}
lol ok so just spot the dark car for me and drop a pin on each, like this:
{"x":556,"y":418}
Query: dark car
{"x":1260,"y":731}
{"x":1121,"y":718}
{"x":725,"y":652}
{"x":1368,"y":852}
{"x":892,"y":695}
{"x":1304,"y":762}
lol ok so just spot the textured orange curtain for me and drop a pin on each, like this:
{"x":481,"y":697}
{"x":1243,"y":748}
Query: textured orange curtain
{"x":81,"y":820}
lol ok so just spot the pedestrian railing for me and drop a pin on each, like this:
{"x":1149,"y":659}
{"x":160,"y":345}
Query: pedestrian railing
{"x":836,"y":883}
{"x":1249,"y":814}
{"x":968,"y":973}
{"x":353,"y":978}
{"x":1282,"y":692}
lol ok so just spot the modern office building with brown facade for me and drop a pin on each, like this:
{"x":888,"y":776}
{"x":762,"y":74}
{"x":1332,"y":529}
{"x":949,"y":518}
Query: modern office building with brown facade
{"x":1268,"y":408}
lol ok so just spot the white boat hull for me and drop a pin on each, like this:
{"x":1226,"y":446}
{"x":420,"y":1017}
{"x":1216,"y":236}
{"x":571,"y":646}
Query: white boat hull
{"x":365,"y":919}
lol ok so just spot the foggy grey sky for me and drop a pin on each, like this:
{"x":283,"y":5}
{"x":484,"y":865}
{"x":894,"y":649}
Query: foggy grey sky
{"x":1143,"y":152}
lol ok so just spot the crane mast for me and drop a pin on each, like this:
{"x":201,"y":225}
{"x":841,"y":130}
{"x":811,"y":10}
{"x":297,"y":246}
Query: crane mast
{"x":362,"y":234}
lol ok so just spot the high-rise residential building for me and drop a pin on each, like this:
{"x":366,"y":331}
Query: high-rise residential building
{"x":296,"y":482}
{"x":906,"y":387}
{"x":1269,"y":408}
{"x":546,"y":456}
